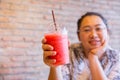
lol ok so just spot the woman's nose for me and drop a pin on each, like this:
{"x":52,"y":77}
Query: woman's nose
{"x":93,"y":34}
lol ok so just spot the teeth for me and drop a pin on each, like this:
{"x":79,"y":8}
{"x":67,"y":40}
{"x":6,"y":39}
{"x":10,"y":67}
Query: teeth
{"x":94,"y":42}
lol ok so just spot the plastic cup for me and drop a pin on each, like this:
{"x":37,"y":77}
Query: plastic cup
{"x":59,"y":40}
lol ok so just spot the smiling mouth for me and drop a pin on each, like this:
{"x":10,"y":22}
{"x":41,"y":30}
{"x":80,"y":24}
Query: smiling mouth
{"x":94,"y":42}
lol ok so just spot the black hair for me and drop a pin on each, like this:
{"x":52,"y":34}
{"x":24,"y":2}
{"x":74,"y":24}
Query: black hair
{"x":90,"y":14}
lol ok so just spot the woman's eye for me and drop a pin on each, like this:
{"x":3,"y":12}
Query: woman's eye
{"x":98,"y":29}
{"x":87,"y":30}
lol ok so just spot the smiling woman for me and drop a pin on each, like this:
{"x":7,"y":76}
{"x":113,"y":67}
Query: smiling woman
{"x":94,"y":31}
{"x":92,"y":58}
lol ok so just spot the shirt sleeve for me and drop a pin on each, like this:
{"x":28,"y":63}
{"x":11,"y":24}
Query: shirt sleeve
{"x":115,"y":73}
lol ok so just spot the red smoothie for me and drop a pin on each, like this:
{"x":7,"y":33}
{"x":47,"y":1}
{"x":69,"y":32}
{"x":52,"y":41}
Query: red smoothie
{"x":60,"y":44}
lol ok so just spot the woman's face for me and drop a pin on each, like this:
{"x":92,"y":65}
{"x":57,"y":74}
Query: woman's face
{"x":93,"y":32}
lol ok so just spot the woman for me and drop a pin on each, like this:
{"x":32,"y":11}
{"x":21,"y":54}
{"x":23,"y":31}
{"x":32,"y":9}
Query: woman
{"x":92,"y":58}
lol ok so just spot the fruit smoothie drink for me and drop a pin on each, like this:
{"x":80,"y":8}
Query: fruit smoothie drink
{"x":60,"y":43}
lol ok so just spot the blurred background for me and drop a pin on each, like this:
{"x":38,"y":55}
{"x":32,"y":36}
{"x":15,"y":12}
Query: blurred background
{"x":24,"y":22}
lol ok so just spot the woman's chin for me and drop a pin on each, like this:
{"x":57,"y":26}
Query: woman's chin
{"x":95,"y":46}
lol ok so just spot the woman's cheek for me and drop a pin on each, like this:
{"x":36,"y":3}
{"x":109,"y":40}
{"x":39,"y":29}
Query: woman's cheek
{"x":105,"y":36}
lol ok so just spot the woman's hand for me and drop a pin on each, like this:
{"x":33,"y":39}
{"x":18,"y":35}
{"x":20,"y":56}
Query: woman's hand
{"x":100,"y":50}
{"x":94,"y":63}
{"x":47,"y":52}
{"x":55,"y":71}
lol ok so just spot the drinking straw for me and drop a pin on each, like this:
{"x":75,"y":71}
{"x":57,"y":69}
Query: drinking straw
{"x":54,"y":20}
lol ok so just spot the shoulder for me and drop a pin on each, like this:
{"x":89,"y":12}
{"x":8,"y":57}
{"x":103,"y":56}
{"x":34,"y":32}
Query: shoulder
{"x":76,"y":52}
{"x":113,"y":54}
{"x":75,"y":45}
{"x":76,"y":48}
{"x":114,"y":57}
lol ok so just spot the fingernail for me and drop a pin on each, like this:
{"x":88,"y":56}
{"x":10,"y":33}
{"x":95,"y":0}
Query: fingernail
{"x":54,"y":53}
{"x":51,"y":48}
{"x":54,"y":61}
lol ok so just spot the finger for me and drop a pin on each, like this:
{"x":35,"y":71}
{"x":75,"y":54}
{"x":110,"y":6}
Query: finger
{"x":50,"y":62}
{"x":46,"y":54}
{"x":43,"y":40}
{"x":47,"y":47}
{"x":47,"y":59}
{"x":102,"y":48}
